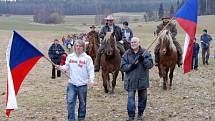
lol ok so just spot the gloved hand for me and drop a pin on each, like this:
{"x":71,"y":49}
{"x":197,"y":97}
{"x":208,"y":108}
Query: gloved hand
{"x":141,"y":58}
{"x":133,"y":66}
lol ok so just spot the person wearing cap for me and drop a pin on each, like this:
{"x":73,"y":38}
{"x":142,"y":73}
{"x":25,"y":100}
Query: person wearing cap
{"x":94,"y":32}
{"x":127,"y":33}
{"x":205,"y":44}
{"x":109,"y":27}
{"x":172,"y":28}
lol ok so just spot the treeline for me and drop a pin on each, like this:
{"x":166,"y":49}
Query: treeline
{"x":78,"y":7}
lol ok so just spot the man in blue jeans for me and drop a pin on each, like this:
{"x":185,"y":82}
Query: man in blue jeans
{"x":136,"y":63}
{"x":81,"y":69}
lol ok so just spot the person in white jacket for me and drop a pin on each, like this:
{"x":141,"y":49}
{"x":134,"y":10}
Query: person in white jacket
{"x":81,"y":69}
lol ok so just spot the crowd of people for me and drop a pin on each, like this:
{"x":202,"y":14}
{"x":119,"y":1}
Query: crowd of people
{"x":70,"y":39}
{"x":135,"y":65}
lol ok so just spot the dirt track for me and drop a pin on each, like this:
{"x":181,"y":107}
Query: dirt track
{"x":41,"y":98}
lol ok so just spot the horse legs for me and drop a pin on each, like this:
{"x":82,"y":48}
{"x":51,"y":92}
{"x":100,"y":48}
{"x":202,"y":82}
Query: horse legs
{"x":165,"y":78}
{"x":171,"y":76}
{"x":115,"y":74}
{"x":105,"y":81}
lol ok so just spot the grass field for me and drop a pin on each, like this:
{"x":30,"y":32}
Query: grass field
{"x":192,"y":97}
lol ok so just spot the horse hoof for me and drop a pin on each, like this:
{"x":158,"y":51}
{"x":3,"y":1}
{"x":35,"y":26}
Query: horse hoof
{"x":106,"y":91}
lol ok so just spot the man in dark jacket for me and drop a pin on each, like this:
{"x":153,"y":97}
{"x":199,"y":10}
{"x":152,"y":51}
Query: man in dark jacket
{"x":136,"y":67}
{"x":94,"y":32}
{"x":55,"y":52}
{"x":205,"y":44}
{"x":195,"y":55}
{"x":109,"y":27}
{"x":172,"y":28}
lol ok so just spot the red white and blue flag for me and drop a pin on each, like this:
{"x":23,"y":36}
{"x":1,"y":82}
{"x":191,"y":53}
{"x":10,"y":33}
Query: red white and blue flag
{"x":21,"y":57}
{"x":186,"y":16}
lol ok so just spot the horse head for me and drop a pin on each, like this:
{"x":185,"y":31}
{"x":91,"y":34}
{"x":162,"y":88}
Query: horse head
{"x":165,"y":41}
{"x":110,"y":43}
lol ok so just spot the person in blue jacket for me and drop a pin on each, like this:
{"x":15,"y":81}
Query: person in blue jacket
{"x":136,"y":63}
{"x":205,"y":44}
{"x":195,"y":55}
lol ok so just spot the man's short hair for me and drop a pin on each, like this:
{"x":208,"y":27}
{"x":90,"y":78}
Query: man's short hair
{"x":125,"y":23}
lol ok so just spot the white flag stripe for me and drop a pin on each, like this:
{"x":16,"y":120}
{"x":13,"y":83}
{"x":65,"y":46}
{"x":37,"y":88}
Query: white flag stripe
{"x":186,"y":43}
{"x":11,"y":99}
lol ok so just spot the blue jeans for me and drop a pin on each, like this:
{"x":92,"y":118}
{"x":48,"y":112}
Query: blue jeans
{"x":142,"y":100}
{"x":195,"y":62}
{"x":72,"y":93}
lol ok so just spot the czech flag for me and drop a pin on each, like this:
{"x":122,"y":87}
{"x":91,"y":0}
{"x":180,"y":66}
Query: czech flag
{"x":186,"y":16}
{"x":21,"y":57}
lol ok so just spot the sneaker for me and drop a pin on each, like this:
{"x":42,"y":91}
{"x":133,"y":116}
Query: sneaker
{"x":140,"y":117}
{"x":53,"y":77}
{"x":130,"y":119}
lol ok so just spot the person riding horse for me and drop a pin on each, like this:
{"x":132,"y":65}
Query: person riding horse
{"x":172,"y":28}
{"x":127,"y":34}
{"x":109,"y":27}
{"x":94,"y":33}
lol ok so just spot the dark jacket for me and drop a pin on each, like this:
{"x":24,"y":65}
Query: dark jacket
{"x":53,"y":55}
{"x":137,"y":78}
{"x":205,"y":40}
{"x":127,"y":31}
{"x":195,"y":49}
{"x":116,"y":28}
{"x":171,"y":27}
{"x":96,"y":34}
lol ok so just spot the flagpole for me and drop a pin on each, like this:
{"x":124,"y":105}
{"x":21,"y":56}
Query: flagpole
{"x":56,"y":66}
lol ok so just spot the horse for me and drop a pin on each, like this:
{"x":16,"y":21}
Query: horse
{"x":110,"y":62}
{"x":93,"y":45}
{"x":167,"y":58}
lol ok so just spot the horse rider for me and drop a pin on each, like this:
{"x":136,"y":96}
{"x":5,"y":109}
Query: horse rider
{"x":109,"y":27}
{"x":94,"y":33}
{"x":127,"y":33}
{"x":172,"y":28}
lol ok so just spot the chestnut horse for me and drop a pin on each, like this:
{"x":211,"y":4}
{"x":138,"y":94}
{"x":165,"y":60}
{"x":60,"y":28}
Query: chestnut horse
{"x":92,"y":46}
{"x":167,"y":58}
{"x":110,"y":62}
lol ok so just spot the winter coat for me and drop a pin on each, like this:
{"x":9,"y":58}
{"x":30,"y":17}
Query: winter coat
{"x":127,"y":31}
{"x":171,"y":27}
{"x":205,"y":40}
{"x":55,"y":52}
{"x":195,"y":49}
{"x":138,"y":78}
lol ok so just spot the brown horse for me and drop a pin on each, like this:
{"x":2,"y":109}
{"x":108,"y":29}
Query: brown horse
{"x":110,"y":61}
{"x":168,"y":58}
{"x":92,"y":46}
